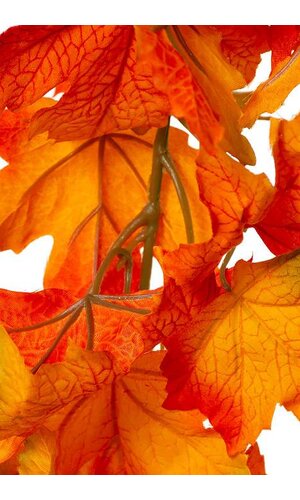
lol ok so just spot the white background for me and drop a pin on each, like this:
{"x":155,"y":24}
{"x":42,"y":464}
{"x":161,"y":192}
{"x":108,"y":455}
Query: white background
{"x":24,"y":271}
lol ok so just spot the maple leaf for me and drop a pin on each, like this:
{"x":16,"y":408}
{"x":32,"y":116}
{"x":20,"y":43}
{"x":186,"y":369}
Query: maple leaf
{"x":280,"y":228}
{"x":242,"y":46}
{"x":128,"y":407}
{"x":198,"y":82}
{"x":284,"y":77}
{"x":243,"y":356}
{"x":173,"y":77}
{"x":105,"y":92}
{"x":112,"y":185}
{"x":236,"y":198}
{"x":133,"y":418}
{"x":181,"y":305}
{"x":55,"y":188}
{"x":33,"y":398}
{"x":119,"y":326}
{"x":86,"y":389}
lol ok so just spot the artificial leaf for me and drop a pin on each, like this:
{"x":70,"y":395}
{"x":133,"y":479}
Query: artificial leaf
{"x":10,"y":466}
{"x":256,"y":461}
{"x":242,"y":46}
{"x":34,"y":397}
{"x":55,"y":188}
{"x":280,"y":228}
{"x":243,"y":356}
{"x":294,"y":406}
{"x":181,"y":305}
{"x":173,"y":77}
{"x":124,"y":430}
{"x":9,"y":447}
{"x":270,"y":94}
{"x":121,"y":407}
{"x":99,"y":63}
{"x":12,"y":396}
{"x":283,"y":42}
{"x":236,"y":198}
{"x":80,"y":390}
{"x":37,"y":455}
{"x":124,"y":334}
{"x":199,"y":82}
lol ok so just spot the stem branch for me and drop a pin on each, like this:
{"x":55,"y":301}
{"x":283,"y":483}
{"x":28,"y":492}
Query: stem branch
{"x":97,"y":299}
{"x":225,"y":262}
{"x":170,"y":167}
{"x":90,"y":324}
{"x":58,"y":338}
{"x":116,"y":249}
{"x":159,"y":150}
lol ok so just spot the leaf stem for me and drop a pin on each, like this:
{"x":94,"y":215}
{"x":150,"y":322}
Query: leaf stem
{"x":128,"y":297}
{"x":117,"y":249}
{"x":90,"y":324}
{"x":54,"y":319}
{"x":97,"y":299}
{"x":225,"y":262}
{"x":184,"y":46}
{"x":153,"y":208}
{"x":170,"y":167}
{"x":58,"y":338}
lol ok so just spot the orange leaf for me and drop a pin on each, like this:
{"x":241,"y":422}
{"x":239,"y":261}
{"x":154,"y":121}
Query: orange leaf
{"x":12,"y":396}
{"x":26,"y":405}
{"x":9,"y":447}
{"x":280,"y":228}
{"x":283,"y":41}
{"x":198,"y":82}
{"x":243,"y":356}
{"x":242,"y":46}
{"x":55,"y":188}
{"x":122,"y":429}
{"x":181,"y":305}
{"x":217,"y":79}
{"x":38,"y":454}
{"x":284,"y":77}
{"x":103,"y":423}
{"x":124,"y":334}
{"x":173,"y":77}
{"x":98,"y":62}
{"x":236,"y":198}
{"x":256,"y":461}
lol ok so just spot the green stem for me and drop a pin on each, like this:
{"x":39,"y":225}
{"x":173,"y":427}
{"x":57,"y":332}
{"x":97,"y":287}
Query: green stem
{"x":97,"y":299}
{"x":225,"y":262}
{"x":50,"y":321}
{"x":136,"y":223}
{"x":131,"y":246}
{"x":182,"y":197}
{"x":153,"y":208}
{"x":128,"y":297}
{"x":90,"y":324}
{"x":128,"y":275}
{"x":60,"y":335}
{"x":127,"y":259}
{"x":184,"y":46}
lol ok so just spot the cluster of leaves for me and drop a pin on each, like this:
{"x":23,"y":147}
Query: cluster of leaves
{"x":100,"y":169}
